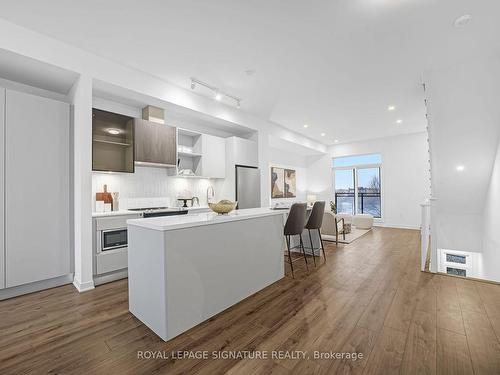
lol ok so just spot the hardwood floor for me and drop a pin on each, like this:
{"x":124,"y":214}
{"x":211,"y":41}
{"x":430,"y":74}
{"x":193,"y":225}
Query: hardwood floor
{"x":369,"y":297}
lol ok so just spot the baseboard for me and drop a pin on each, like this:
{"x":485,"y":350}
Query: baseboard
{"x":103,"y":279}
{"x":83,"y":287}
{"x":470,"y":278}
{"x":16,"y":291}
{"x":396,"y":226}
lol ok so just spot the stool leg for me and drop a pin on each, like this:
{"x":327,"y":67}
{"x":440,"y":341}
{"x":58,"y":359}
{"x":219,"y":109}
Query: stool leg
{"x":289,"y":254}
{"x":321,"y":241}
{"x":312,"y":247}
{"x":303,"y":251}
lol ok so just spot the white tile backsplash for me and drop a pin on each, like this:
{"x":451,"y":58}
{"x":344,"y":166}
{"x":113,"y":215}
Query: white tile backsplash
{"x":148,"y":182}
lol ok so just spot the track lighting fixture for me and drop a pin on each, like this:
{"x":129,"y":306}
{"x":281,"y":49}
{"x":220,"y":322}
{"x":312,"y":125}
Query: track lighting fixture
{"x":218,"y":94}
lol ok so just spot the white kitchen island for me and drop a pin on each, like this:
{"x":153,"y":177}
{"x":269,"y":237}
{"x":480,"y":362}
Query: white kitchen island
{"x":185,"y":269}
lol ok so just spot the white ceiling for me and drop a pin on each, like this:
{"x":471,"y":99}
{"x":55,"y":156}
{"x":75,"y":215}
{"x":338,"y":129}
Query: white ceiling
{"x":335,"y":65}
{"x":34,"y":73}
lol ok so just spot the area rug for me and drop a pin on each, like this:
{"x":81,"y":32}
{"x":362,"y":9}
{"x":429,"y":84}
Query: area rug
{"x":349,"y":237}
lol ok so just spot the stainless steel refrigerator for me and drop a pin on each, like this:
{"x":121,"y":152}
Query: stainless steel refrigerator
{"x":247,"y":187}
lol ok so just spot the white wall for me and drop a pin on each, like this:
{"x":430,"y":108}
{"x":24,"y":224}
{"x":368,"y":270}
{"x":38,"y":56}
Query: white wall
{"x":149,"y":182}
{"x":405,"y":175}
{"x":491,"y":225}
{"x":286,"y":159}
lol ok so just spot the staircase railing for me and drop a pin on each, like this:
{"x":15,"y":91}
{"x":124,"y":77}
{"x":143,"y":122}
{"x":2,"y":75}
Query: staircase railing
{"x":425,"y":236}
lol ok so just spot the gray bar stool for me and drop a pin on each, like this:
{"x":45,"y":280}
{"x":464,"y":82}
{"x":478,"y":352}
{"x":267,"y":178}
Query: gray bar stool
{"x":314,"y":223}
{"x":294,"y":226}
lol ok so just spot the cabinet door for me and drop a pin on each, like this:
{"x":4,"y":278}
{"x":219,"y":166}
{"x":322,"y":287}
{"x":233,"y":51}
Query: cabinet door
{"x":37,"y":185}
{"x":2,"y":184}
{"x":245,"y":152}
{"x":155,"y":143}
{"x":214,"y":156}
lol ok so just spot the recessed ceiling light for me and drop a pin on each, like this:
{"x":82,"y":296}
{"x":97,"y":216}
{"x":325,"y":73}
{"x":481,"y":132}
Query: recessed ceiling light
{"x":399,"y":121}
{"x":250,"y":72}
{"x":336,"y":141}
{"x":462,"y":20}
{"x":391,"y":108}
{"x":306,"y":126}
{"x":323,"y":134}
{"x":114,"y":131}
{"x":460,"y":168}
{"x":218,"y":96}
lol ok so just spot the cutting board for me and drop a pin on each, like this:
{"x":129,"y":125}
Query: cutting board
{"x":104,"y":196}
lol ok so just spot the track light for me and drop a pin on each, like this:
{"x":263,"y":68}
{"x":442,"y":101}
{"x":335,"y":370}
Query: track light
{"x":218,"y":94}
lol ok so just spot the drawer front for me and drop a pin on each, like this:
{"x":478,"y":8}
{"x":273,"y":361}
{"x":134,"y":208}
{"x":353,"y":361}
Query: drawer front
{"x":114,"y":222}
{"x":111,"y":261}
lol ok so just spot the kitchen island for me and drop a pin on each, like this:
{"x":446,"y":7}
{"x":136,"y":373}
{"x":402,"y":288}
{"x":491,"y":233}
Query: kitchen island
{"x":183,"y":270}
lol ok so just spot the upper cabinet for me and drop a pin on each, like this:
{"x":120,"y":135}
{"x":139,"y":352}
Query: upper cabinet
{"x":112,"y":142}
{"x":213,"y":161}
{"x":200,"y":155}
{"x":155,"y":144}
{"x":243,"y":151}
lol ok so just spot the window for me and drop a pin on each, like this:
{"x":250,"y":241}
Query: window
{"x":453,"y":258}
{"x":357,"y":184}
{"x":456,"y":271}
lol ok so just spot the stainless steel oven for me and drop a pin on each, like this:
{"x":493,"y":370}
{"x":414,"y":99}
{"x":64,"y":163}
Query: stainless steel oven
{"x":113,"y":239}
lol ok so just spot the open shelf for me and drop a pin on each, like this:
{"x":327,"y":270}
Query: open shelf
{"x":188,"y":154}
{"x":112,"y":142}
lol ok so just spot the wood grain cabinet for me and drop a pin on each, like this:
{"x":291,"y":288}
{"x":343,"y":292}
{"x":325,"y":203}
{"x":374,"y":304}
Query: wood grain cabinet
{"x":155,"y":144}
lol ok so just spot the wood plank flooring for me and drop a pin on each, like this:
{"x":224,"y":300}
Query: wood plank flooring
{"x":369,"y":297}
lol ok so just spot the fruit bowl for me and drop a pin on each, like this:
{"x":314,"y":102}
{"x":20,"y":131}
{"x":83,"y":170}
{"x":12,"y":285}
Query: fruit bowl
{"x":223,"y":207}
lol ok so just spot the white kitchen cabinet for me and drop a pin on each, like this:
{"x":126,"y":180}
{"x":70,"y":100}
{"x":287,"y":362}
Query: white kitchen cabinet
{"x":2,"y":184}
{"x":213,"y":160}
{"x":244,"y":151}
{"x":37,"y":185}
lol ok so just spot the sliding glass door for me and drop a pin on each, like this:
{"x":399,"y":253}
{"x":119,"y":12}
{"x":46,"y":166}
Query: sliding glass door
{"x":368,"y":188}
{"x":358,"y":185}
{"x":344,"y":191}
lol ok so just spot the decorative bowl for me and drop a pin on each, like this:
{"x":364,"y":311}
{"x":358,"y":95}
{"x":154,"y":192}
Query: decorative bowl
{"x":223,"y":207}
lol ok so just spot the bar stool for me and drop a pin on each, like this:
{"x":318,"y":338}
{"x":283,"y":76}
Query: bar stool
{"x":294,"y":226}
{"x":314,"y":223}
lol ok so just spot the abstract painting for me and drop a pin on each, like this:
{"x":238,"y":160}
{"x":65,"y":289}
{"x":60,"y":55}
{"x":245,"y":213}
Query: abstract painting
{"x":290,"y":183}
{"x":277,"y":182}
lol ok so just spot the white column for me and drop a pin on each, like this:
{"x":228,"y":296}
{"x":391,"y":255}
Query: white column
{"x":265,"y":180}
{"x":81,"y":96}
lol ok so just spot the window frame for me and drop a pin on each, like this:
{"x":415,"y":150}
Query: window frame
{"x":363,"y":166}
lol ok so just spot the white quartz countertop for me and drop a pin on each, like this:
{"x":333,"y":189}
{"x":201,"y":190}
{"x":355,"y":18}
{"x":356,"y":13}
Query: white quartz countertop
{"x":128,"y":212}
{"x":114,"y":213}
{"x":198,"y":219}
